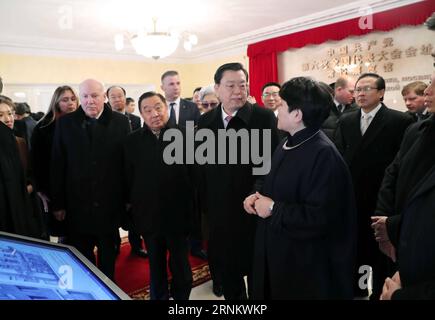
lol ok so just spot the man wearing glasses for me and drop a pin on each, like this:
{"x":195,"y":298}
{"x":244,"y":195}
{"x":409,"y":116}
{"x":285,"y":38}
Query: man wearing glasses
{"x":208,"y":99}
{"x":369,"y":140}
{"x":270,"y":96}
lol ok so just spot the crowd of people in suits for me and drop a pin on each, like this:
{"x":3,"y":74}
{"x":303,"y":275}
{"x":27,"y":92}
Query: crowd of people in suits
{"x":350,"y":185}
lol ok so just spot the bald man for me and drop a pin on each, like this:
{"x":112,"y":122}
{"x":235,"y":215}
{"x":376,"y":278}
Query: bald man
{"x":86,"y":179}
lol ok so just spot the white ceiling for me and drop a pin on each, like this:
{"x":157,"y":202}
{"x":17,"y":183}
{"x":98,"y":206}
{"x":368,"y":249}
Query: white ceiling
{"x":87,"y":27}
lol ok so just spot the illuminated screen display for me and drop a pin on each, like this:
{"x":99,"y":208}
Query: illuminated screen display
{"x":32,"y":269}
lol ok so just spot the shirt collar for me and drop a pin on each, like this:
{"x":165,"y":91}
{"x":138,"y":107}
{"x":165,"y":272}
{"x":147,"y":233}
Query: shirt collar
{"x":176,"y":101}
{"x":224,"y":114}
{"x":371,"y":113}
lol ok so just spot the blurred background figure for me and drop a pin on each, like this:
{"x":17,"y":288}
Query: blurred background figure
{"x":208,"y":99}
{"x":270,"y":96}
{"x":18,"y":212}
{"x":342,"y":92}
{"x":24,"y":124}
{"x":413,"y":95}
{"x":130,"y":105}
{"x":195,"y":96}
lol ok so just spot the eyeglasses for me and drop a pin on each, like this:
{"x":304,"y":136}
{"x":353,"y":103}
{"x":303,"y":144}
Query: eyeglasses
{"x":364,"y":89}
{"x":273,"y":94}
{"x":209,"y":104}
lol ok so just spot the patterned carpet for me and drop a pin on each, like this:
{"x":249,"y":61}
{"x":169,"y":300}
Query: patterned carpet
{"x":132,"y":273}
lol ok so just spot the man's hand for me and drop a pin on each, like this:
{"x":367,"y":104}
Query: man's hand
{"x":262,"y":205}
{"x":249,"y":203}
{"x":380,"y":228}
{"x":45,"y":200}
{"x":388,"y":249}
{"x":60,"y":214}
{"x":390,"y":286}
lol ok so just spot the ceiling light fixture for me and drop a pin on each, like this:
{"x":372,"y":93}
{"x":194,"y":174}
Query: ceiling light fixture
{"x":156,"y":44}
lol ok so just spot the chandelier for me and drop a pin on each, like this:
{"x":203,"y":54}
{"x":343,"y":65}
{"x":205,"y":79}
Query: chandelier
{"x":157,"y":44}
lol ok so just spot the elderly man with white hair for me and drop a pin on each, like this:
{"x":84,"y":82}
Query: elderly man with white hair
{"x":86,"y":177}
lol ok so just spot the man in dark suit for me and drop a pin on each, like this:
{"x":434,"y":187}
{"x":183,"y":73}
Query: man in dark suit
{"x":180,"y":111}
{"x":161,"y":199}
{"x":130,"y":105}
{"x":413,"y":96}
{"x":225,"y":186}
{"x":407,"y":197}
{"x":343,"y":100}
{"x":117,"y":100}
{"x":270,"y":96}
{"x":369,"y":140}
{"x":86,"y":178}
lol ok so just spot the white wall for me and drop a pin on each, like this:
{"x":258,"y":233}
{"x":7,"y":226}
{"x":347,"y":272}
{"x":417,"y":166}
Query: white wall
{"x":320,"y":60}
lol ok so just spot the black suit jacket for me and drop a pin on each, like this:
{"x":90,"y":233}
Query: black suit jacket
{"x":330,"y":125}
{"x":367,"y":157}
{"x":134,"y":121}
{"x":411,"y":228}
{"x":188,"y":112}
{"x":86,"y":175}
{"x":161,"y":195}
{"x":227,"y":185}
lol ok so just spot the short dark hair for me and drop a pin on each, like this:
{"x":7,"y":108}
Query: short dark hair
{"x":169,"y":73}
{"x":110,"y":88}
{"x":197,"y":89}
{"x":310,"y":97}
{"x":129,"y":100}
{"x":270,"y":84}
{"x":22,"y":108}
{"x":233,"y":66}
{"x":150,"y":94}
{"x":380,"y":82}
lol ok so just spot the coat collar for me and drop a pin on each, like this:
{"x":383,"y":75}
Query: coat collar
{"x":104,"y":119}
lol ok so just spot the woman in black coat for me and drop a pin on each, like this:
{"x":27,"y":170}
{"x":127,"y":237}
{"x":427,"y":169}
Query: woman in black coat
{"x":16,"y":212}
{"x":305,"y":239}
{"x":64,"y":101}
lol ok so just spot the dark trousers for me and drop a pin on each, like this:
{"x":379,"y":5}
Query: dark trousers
{"x":215,"y":265}
{"x":105,"y":244}
{"x":134,"y":239}
{"x":231,"y":264}
{"x":158,"y":245}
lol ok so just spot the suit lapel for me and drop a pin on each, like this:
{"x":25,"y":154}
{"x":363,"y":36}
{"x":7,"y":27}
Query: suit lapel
{"x":182,"y":114}
{"x":375,"y":127}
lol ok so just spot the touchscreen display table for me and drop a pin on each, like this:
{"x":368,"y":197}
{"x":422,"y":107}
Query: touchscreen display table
{"x":32,"y":269}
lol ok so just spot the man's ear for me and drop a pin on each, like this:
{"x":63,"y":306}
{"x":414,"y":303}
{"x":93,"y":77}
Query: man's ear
{"x":299,"y":115}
